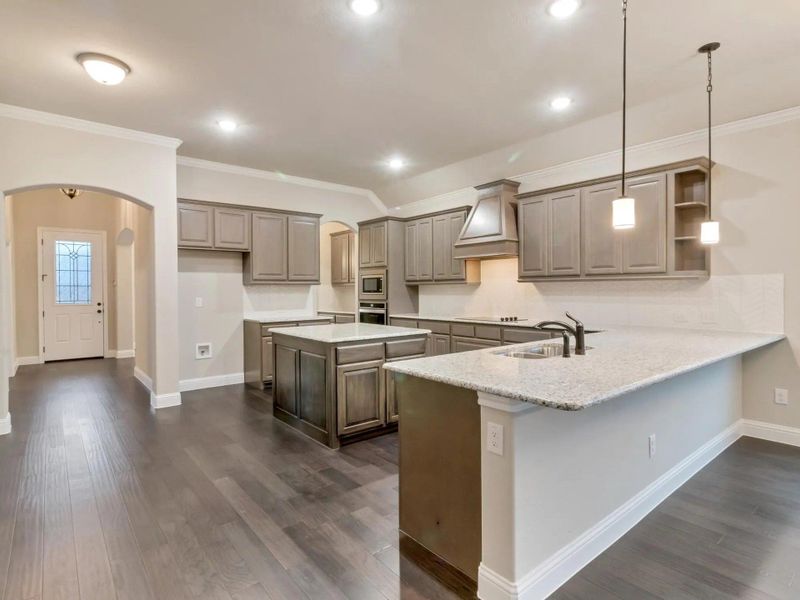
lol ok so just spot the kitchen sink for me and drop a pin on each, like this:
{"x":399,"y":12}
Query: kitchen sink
{"x":546,"y":351}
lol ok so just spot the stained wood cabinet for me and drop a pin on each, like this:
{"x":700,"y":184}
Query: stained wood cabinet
{"x":231,"y":229}
{"x":372,"y":244}
{"x":267,"y":261}
{"x":438,"y":343}
{"x":644,"y":248}
{"x":532,"y":219}
{"x":550,"y":235}
{"x":343,"y":263}
{"x":303,"y":251}
{"x":446,"y":229}
{"x":361,"y":396}
{"x":419,"y":250}
{"x":602,"y":244}
{"x":429,"y":242}
{"x":464,"y":344}
{"x":195,"y":225}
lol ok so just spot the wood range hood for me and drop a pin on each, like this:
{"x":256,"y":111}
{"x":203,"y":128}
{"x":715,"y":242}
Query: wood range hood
{"x":491,"y":227}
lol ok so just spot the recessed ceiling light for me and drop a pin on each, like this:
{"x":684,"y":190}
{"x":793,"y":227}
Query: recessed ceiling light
{"x":227,"y":125}
{"x":396,"y":164}
{"x":560,"y":102}
{"x":561,"y":9}
{"x":365,"y":8}
{"x":103,"y":69}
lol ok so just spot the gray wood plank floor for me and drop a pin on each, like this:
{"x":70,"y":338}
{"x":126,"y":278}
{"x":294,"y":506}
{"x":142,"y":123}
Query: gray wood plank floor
{"x":102,"y":498}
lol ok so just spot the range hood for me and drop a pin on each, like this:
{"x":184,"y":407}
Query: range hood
{"x":491,"y":227}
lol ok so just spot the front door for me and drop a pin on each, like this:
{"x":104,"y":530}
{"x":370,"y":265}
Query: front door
{"x":73,"y":268}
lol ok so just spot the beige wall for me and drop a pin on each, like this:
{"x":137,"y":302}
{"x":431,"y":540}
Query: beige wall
{"x":757,"y":202}
{"x":330,"y":297}
{"x":50,"y":208}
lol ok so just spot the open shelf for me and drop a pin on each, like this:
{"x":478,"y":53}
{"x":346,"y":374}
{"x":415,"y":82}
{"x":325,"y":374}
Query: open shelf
{"x":685,"y":238}
{"x":691,"y":205}
{"x":690,"y":210}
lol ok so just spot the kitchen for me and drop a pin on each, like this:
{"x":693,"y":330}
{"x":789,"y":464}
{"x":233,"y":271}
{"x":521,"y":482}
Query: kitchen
{"x":431,"y":314}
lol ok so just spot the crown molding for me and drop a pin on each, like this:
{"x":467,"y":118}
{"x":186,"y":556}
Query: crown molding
{"x":209,"y":165}
{"x":738,"y":126}
{"x":45,"y":118}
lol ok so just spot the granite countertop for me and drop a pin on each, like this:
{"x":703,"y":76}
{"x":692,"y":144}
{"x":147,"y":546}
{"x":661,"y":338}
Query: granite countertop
{"x":417,"y":317}
{"x":619,"y":360}
{"x":348,"y":332}
{"x":268,"y":318}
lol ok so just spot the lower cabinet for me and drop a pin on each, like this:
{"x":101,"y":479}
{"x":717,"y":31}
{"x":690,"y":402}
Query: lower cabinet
{"x":464,"y":344}
{"x":286,"y":372}
{"x":361,"y":396}
{"x":266,"y":358}
{"x":438,"y":343}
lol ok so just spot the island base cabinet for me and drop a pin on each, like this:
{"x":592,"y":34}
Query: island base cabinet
{"x":285,"y":390}
{"x":464,"y":344}
{"x":361,"y":396}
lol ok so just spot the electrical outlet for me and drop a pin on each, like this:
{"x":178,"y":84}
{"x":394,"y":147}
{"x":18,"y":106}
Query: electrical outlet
{"x":494,"y":438}
{"x":651,"y":440}
{"x":781,"y":396}
{"x":198,"y":302}
{"x":202,"y":351}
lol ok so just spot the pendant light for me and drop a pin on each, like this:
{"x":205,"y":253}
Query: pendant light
{"x":709,"y":229}
{"x":624,"y":207}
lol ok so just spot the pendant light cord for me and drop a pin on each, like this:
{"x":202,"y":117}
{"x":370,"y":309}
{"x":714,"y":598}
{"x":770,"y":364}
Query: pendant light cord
{"x":625,"y":82}
{"x":709,"y":89}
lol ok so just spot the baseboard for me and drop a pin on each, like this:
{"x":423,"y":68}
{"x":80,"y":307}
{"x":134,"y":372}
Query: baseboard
{"x":143,"y":378}
{"x":165,"y":400}
{"x":21,"y":361}
{"x":771,"y":432}
{"x":559,"y":568}
{"x":5,"y":424}
{"x":124,"y":353}
{"x":200,"y":383}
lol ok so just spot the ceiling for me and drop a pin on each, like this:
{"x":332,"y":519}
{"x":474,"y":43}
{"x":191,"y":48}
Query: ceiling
{"x":322,"y":93}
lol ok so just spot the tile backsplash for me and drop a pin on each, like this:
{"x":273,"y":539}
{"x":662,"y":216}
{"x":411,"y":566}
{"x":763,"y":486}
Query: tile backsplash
{"x":723,"y":302}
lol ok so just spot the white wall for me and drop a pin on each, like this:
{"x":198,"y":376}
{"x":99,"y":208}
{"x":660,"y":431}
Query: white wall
{"x":755,"y":199}
{"x":44,"y":150}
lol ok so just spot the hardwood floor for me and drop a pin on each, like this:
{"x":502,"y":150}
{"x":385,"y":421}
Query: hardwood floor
{"x":101,"y":498}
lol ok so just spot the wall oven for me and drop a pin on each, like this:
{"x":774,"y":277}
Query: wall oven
{"x":372,"y":284}
{"x":375,"y":313}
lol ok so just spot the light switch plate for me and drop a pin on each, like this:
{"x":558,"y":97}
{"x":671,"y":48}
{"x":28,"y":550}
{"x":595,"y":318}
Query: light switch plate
{"x":494,"y":438}
{"x":203,"y":351}
{"x":198,"y":302}
{"x":781,"y":396}
{"x":651,"y":443}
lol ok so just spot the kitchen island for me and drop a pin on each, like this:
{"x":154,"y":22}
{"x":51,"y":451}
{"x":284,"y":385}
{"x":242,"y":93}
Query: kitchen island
{"x":542,"y":462}
{"x":329,"y":383}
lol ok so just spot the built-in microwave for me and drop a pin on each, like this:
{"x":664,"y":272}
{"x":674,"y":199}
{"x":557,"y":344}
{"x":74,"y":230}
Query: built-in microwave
{"x":372,"y":284}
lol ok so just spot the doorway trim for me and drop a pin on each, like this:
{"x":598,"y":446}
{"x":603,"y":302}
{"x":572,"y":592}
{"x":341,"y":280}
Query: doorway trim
{"x":40,"y":292}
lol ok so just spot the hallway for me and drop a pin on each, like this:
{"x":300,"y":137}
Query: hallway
{"x":103,"y":498}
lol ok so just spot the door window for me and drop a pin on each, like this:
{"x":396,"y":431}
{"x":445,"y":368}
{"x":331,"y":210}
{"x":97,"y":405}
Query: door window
{"x":73,"y":272}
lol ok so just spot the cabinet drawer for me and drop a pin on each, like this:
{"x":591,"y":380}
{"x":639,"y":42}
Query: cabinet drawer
{"x":362,"y":352}
{"x":460,"y":344}
{"x":267,"y":329}
{"x":487,"y":333}
{"x":404,"y":323}
{"x":326,"y":321}
{"x":462,"y":330}
{"x":400,"y":348}
{"x":435,"y":326}
{"x":519,"y":336}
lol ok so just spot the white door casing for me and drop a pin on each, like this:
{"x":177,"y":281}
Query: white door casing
{"x":72,"y":293}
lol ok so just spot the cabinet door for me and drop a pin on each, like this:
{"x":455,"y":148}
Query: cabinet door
{"x":446,"y":229}
{"x":460,"y":344}
{"x":340,"y":259}
{"x":303,"y":248}
{"x":644,"y":248}
{"x":360,"y":395}
{"x":378,"y":242}
{"x":195,"y":225}
{"x":344,"y":319}
{"x":266,"y":358}
{"x":365,"y":246}
{"x":438,"y":343}
{"x":312,"y":396}
{"x":564,"y":233}
{"x":352,"y":267}
{"x":458,"y":268}
{"x":412,"y":264}
{"x":532,"y":219}
{"x":268,"y":255}
{"x":425,"y":249}
{"x":285,"y":379}
{"x":231,"y":229}
{"x":602,"y":248}
{"x":392,"y":410}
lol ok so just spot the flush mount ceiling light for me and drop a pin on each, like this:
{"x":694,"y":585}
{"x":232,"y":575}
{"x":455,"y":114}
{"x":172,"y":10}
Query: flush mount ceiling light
{"x":560,"y":102}
{"x":709,"y":229}
{"x":395,"y":164}
{"x":562,"y":9}
{"x":227,"y":125}
{"x":624,"y":208}
{"x":71,"y":193}
{"x":365,"y":8}
{"x":103,"y":69}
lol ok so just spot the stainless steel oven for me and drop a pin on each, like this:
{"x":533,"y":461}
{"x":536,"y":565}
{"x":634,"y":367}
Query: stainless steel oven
{"x":375,"y":313}
{"x":372,"y":284}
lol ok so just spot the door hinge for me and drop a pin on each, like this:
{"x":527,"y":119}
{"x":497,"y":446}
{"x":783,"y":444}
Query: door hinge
{"x":42,"y":313}
{"x":41,"y":241}
{"x":44,"y":349}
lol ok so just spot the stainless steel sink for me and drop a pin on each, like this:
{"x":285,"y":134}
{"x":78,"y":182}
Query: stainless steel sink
{"x":546,"y":351}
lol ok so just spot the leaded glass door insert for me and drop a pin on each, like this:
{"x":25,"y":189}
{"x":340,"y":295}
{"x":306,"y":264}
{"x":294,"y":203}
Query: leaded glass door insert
{"x":73,"y":272}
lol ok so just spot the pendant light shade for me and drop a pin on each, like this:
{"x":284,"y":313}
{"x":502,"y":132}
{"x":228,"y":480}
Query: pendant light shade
{"x":709,"y":229}
{"x":624,"y":213}
{"x":623,"y":209}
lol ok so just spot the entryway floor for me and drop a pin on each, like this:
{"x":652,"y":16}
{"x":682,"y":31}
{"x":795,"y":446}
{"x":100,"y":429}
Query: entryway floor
{"x":102,"y":498}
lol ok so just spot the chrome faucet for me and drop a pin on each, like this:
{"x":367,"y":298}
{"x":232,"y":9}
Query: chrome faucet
{"x":559,"y":326}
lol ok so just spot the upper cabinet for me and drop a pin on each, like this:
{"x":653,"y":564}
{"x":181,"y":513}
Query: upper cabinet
{"x":567,"y":232}
{"x":278,"y":246}
{"x":372,"y":244}
{"x":429,"y":243}
{"x":343,"y":261}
